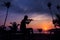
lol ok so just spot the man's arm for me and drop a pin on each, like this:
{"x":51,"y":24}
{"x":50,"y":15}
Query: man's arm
{"x":28,"y":21}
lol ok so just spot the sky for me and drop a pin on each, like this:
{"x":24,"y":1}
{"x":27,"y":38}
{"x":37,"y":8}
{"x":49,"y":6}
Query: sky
{"x":35,"y":9}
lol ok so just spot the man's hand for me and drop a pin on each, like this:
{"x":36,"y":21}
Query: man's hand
{"x":31,"y":19}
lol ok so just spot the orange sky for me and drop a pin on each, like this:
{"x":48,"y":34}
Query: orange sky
{"x":45,"y":25}
{"x":41,"y":22}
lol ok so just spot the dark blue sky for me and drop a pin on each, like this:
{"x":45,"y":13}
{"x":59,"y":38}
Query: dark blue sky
{"x":30,"y":5}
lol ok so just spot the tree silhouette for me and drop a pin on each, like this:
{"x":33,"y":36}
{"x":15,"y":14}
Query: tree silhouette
{"x":49,"y":6}
{"x":58,"y":7}
{"x":14,"y":26}
{"x":7,"y":4}
{"x":56,"y":21}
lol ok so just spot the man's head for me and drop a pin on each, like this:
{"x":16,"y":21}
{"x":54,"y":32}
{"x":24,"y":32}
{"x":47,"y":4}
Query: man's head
{"x":25,"y":17}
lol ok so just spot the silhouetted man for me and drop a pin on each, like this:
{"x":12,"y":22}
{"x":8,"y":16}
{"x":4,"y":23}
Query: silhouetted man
{"x":24,"y":22}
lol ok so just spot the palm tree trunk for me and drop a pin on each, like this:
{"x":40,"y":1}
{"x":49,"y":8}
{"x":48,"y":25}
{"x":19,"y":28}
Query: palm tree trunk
{"x":6,"y":17}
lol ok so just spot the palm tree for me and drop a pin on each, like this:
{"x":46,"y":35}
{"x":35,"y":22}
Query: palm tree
{"x":7,"y":4}
{"x":58,"y":7}
{"x":49,"y":6}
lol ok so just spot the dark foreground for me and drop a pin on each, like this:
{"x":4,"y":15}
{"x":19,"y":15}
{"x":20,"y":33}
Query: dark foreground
{"x":19,"y":36}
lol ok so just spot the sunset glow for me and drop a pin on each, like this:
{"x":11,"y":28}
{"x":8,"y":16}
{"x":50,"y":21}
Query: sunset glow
{"x":42,"y":22}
